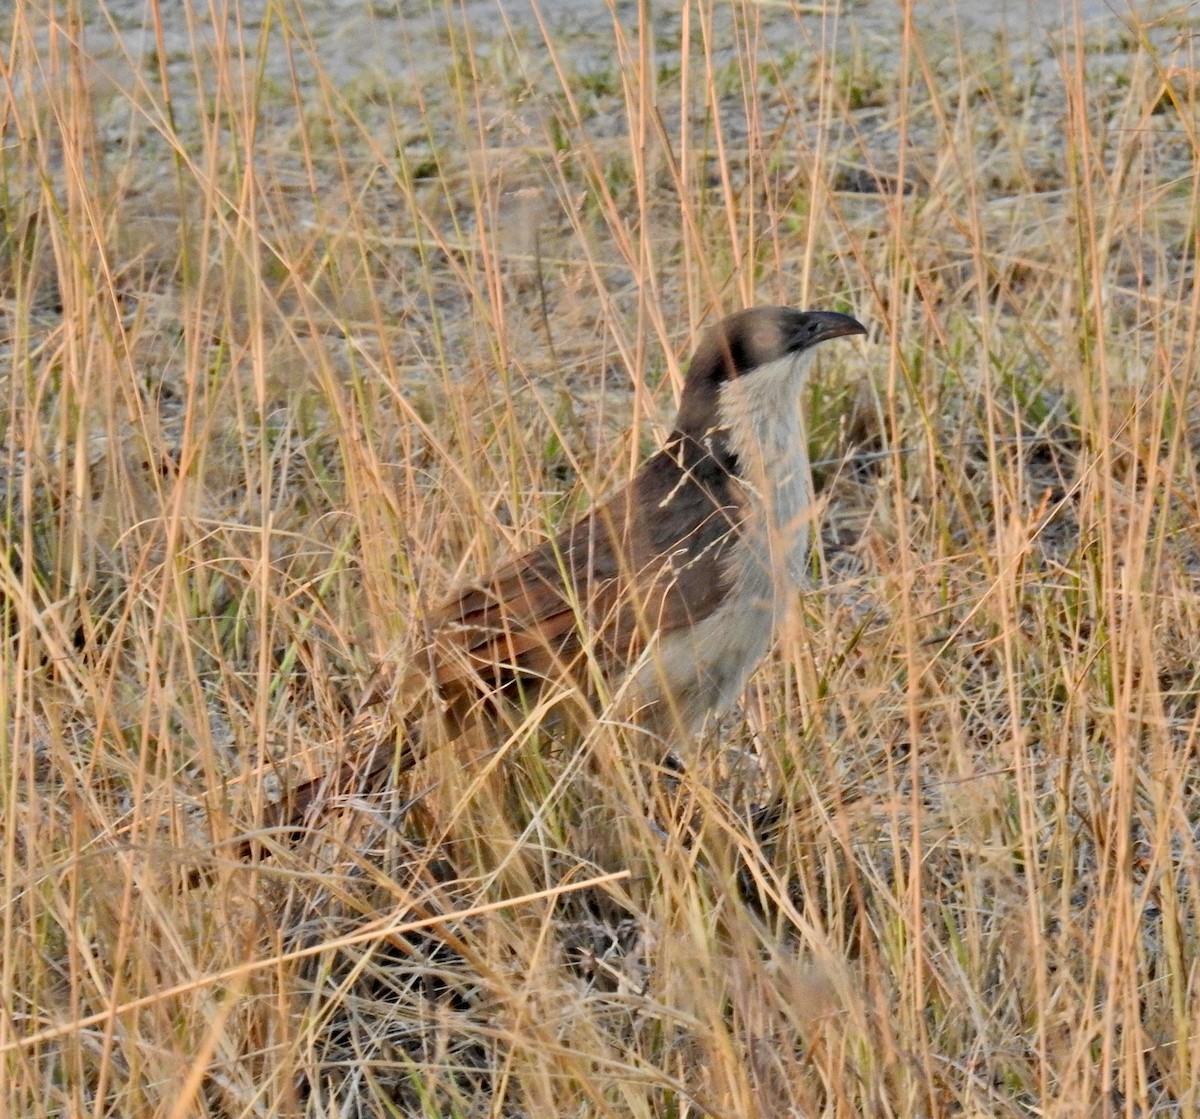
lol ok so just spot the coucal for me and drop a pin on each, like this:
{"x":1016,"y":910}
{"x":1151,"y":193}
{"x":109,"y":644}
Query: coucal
{"x":666,"y":596}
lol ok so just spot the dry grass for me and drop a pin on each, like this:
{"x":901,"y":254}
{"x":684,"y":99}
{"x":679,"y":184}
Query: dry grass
{"x":291,"y":345}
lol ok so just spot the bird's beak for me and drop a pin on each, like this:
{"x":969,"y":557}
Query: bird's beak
{"x":820,"y":326}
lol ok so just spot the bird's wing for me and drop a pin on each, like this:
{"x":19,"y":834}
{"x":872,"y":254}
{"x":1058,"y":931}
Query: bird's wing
{"x":691,"y":513}
{"x":529,"y":616}
{"x":651,"y":560}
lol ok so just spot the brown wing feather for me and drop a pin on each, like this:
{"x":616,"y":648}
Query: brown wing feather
{"x":528,"y":619}
{"x":650,"y":560}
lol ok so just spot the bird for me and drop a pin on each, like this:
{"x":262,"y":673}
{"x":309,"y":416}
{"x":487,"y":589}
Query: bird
{"x":661,"y":600}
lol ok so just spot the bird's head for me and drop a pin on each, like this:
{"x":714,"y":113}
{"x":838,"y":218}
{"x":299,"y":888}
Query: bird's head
{"x":747,"y":343}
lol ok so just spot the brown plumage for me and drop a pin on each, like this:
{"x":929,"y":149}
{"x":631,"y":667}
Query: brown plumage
{"x":600,"y":587}
{"x":672,"y":588}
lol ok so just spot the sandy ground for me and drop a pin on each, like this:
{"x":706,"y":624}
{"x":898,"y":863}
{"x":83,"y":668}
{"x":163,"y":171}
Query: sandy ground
{"x":387,"y":36}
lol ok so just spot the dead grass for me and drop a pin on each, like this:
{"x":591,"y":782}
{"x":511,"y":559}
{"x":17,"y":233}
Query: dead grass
{"x":294,"y":341}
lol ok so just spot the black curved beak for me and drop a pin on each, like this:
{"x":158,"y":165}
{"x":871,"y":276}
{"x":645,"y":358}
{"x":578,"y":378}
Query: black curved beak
{"x":814,"y":327}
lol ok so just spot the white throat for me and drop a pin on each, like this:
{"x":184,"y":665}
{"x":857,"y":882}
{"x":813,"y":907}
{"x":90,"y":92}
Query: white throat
{"x":763,"y":413}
